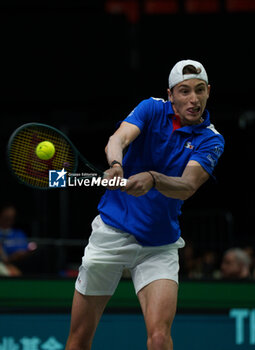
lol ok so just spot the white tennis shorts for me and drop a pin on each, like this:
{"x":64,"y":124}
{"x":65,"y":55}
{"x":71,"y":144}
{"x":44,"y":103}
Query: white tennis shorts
{"x":110,"y":250}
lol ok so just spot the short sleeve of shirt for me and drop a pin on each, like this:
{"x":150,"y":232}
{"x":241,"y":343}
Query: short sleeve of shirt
{"x":142,"y":114}
{"x":209,"y":152}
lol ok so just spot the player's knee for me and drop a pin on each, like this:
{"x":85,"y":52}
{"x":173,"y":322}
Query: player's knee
{"x":158,"y":339}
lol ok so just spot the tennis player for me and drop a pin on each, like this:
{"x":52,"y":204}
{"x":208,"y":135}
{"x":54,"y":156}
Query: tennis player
{"x":171,"y":150}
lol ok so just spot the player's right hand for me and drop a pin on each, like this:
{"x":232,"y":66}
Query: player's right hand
{"x":115,"y":171}
{"x":138,"y":184}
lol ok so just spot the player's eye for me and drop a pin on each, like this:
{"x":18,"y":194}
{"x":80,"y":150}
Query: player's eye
{"x":201,"y":89}
{"x":184,"y":91}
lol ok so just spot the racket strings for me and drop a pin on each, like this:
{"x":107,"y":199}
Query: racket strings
{"x":25,"y":163}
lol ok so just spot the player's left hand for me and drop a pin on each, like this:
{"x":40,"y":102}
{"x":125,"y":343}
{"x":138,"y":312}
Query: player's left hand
{"x":139,"y":184}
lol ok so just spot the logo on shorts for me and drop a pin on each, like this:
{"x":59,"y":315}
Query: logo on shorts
{"x":57,"y":178}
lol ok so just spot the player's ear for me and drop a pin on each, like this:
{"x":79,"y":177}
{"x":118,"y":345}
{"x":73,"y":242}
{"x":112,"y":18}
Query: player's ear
{"x":208,"y":90}
{"x":170,"y":95}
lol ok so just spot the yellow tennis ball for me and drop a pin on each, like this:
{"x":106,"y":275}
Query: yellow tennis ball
{"x":45,"y":150}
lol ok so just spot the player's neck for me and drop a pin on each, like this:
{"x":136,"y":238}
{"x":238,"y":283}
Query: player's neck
{"x":187,"y":123}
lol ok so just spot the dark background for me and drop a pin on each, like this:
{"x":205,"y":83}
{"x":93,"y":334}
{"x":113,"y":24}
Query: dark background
{"x":81,"y":67}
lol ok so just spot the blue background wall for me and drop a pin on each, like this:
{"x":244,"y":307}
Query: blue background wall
{"x":127,"y":331}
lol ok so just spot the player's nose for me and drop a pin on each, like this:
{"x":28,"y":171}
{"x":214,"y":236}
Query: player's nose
{"x":194,"y":98}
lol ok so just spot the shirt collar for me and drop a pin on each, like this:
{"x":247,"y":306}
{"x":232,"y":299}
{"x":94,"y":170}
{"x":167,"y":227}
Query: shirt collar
{"x":198,"y":128}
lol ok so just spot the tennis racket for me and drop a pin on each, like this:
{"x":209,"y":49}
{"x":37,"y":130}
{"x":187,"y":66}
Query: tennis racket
{"x":32,"y":171}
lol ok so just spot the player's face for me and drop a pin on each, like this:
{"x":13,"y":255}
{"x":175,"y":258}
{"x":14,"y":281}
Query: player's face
{"x":189,"y":99}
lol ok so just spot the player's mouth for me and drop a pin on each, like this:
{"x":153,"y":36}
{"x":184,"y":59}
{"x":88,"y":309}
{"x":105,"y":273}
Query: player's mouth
{"x":194,"y":110}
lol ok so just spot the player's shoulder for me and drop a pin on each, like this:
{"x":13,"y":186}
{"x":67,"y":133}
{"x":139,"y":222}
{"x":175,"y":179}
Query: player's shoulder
{"x":211,"y":129}
{"x":211,"y":134}
{"x":154,"y":100}
{"x":158,"y":104}
{"x":153,"y":105}
{"x":158,"y":101}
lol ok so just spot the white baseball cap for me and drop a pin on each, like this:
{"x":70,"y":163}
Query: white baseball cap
{"x":176,"y":75}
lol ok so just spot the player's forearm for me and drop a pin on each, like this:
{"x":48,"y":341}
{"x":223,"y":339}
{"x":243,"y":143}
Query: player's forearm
{"x":174,"y":187}
{"x":120,"y":140}
{"x":114,"y":149}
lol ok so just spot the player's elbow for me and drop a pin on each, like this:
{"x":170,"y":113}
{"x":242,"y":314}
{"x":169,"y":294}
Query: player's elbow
{"x":189,"y":190}
{"x":111,"y":141}
{"x":187,"y":194}
{"x":182,"y":195}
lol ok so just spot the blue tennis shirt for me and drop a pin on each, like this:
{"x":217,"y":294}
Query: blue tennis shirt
{"x":153,"y":217}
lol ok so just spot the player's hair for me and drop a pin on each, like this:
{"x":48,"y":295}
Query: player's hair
{"x":189,"y":69}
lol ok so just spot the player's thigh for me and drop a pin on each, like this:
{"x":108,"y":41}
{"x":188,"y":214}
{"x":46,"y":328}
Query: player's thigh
{"x":86,"y":313}
{"x":158,"y":302}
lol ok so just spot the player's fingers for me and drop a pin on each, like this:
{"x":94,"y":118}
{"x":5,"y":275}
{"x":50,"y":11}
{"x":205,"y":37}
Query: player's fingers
{"x":129,"y":184}
{"x":116,"y":182}
{"x":135,"y":187}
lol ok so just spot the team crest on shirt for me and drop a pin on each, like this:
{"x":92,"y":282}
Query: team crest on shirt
{"x":188,"y":145}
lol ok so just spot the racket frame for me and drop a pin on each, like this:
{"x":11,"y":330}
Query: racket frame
{"x":74,"y":149}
